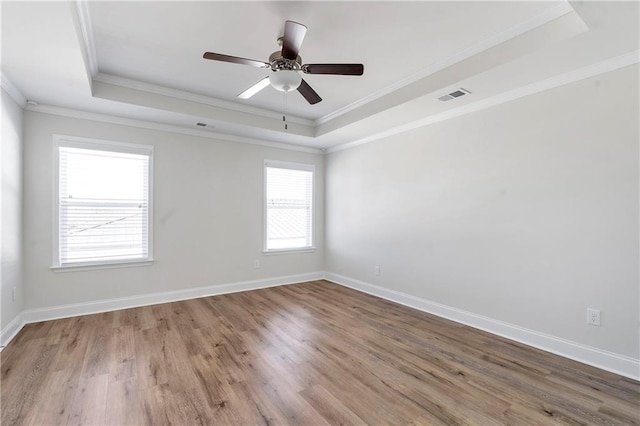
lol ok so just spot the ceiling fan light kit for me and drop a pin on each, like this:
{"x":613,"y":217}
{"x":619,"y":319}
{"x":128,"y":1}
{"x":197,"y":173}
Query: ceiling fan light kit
{"x":285,"y":80}
{"x":286,"y":66}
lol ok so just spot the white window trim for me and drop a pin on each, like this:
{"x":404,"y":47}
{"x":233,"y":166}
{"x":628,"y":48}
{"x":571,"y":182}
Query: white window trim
{"x":293,"y":166}
{"x":88,"y":266}
{"x":103,"y":145}
{"x":289,"y":251}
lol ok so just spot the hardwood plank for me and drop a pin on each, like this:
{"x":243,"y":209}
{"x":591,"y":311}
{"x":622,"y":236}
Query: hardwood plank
{"x":96,"y":359}
{"x":311,"y":353}
{"x":124,"y":404}
{"x":89,"y":405}
{"x":122,"y":361}
{"x":329,"y":407}
{"x":23,"y":380}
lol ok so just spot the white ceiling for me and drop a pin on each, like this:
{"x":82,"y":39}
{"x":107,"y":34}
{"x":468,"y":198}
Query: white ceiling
{"x":143,"y":60}
{"x":393,"y":40}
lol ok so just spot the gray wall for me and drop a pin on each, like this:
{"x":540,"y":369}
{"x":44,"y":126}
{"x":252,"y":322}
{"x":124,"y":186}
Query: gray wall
{"x":526,"y":212}
{"x":208,"y":220}
{"x":11,"y":211}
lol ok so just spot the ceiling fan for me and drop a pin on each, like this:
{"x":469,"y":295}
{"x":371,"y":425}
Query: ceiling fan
{"x":286,"y":66}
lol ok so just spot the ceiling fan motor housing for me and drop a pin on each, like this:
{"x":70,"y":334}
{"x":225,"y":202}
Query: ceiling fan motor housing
{"x":277,"y":62}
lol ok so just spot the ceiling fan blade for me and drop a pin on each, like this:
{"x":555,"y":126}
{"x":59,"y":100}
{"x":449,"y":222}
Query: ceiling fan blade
{"x":308,"y":93}
{"x":254,"y":89}
{"x":338,"y":69}
{"x":235,"y":60}
{"x":292,"y":40}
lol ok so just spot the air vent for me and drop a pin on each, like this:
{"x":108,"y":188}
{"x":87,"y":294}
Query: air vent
{"x":453,"y":95}
{"x":202,"y":124}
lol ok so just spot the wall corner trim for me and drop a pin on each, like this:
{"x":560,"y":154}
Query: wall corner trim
{"x":609,"y":361}
{"x":11,"y":330}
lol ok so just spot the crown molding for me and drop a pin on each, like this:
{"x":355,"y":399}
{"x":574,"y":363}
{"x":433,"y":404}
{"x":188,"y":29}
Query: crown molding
{"x":193,"y":97}
{"x":492,"y":41}
{"x":598,"y":68}
{"x":79,"y":10}
{"x":131,"y":122}
{"x":608,"y":65}
{"x":13,"y":91}
{"x":84,"y":29}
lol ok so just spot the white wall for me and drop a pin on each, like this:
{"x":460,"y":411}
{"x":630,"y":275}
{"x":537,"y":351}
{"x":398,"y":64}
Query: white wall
{"x":11,"y":211}
{"x":525,"y":213}
{"x":208,"y":215}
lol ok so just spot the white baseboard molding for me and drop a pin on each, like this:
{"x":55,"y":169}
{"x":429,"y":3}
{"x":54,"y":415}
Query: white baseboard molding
{"x":615,"y":363}
{"x":11,"y":330}
{"x":108,"y":305}
{"x":66,"y":311}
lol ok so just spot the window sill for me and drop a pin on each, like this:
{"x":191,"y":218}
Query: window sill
{"x":289,"y":251}
{"x":88,"y":266}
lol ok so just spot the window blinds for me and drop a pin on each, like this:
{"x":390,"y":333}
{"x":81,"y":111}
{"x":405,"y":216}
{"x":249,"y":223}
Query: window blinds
{"x":103,"y":205}
{"x":289,"y":208}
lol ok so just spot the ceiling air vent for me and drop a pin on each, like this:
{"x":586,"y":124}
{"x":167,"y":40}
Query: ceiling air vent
{"x":454,"y":95}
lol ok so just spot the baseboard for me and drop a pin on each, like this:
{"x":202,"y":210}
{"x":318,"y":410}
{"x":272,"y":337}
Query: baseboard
{"x":108,"y":305}
{"x":615,"y":363}
{"x":11,"y":330}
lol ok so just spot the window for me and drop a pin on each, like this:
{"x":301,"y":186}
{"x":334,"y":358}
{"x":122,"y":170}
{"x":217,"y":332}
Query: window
{"x":288,"y":206}
{"x":102,"y":203}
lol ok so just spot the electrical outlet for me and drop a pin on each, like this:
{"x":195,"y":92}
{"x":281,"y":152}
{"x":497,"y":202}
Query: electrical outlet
{"x":256,"y":263}
{"x":376,"y":269}
{"x":593,"y":317}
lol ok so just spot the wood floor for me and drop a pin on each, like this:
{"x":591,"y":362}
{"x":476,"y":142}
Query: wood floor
{"x":306,"y":354}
